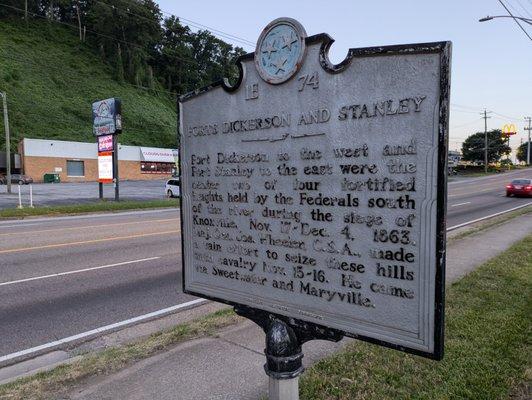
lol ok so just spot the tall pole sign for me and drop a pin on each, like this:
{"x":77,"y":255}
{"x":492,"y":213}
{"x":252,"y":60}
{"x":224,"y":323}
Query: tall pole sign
{"x":107,"y":124}
{"x":314,"y":195}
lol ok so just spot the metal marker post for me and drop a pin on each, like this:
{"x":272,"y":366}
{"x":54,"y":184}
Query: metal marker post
{"x":284,"y":355}
{"x":100,"y":190}
{"x":31,"y":196}
{"x":116,"y":180}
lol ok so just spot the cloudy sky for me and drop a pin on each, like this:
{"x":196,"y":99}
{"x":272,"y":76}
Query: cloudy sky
{"x":491,"y":65}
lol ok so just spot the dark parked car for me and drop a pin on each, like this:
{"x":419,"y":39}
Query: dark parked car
{"x":519,"y":187}
{"x":17,"y":178}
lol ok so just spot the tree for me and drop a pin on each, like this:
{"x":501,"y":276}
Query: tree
{"x":521,"y":151}
{"x":473,"y":146}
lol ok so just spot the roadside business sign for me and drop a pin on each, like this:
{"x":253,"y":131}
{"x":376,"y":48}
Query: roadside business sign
{"x":509,"y":130}
{"x":317,"y":192}
{"x":105,"y":167}
{"x":105,"y":143}
{"x":107,"y":117}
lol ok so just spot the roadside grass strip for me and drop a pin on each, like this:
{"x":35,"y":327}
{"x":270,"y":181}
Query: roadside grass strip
{"x":98,"y":206}
{"x":56,"y":382}
{"x":488,"y":352}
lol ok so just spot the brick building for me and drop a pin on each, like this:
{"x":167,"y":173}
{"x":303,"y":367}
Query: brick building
{"x":78,"y":161}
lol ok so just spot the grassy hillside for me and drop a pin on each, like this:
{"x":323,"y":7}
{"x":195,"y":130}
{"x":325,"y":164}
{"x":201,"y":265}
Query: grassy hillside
{"x":51,"y":79}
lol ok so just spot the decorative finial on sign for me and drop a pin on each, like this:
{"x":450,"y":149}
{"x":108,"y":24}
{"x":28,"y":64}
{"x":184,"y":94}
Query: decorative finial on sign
{"x":280,"y":50}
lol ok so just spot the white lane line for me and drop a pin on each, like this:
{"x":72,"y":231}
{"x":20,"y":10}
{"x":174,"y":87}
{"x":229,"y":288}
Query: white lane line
{"x":77,"y":271}
{"x":461,"y":204}
{"x":487,"y":217}
{"x":16,"y":226}
{"x":100,"y":330}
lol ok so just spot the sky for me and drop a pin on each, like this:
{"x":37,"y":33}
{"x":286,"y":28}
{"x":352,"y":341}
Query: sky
{"x":491,"y":61}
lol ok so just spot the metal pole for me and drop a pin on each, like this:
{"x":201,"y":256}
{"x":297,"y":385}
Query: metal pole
{"x":286,"y":389}
{"x":528,"y":145}
{"x":19,"y":198}
{"x":100,"y":190}
{"x":116,"y":179}
{"x":8,"y":143}
{"x":485,"y":142}
{"x":31,"y":196}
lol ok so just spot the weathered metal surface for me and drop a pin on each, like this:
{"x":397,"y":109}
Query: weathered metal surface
{"x":322,"y":198}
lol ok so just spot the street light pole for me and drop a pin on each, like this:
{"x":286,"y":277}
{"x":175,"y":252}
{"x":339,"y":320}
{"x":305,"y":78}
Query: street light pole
{"x":8,"y":143}
{"x":489,"y":18}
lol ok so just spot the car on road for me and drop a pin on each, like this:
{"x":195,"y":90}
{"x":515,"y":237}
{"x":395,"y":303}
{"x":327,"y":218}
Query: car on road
{"x":17,"y":178}
{"x":172,"y":188}
{"x":519,"y":187}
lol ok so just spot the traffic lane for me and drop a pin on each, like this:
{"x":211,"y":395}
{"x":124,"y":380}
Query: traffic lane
{"x":38,"y":312}
{"x":70,"y":222}
{"x":465,"y":208}
{"x":500,"y":179}
{"x":28,"y":264}
{"x":36,"y":236}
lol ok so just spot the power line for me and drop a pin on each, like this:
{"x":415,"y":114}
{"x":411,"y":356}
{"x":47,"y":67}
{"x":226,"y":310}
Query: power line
{"x":464,"y":111}
{"x":467,"y":123}
{"x":466,"y":107}
{"x":523,"y":8}
{"x":506,"y":116}
{"x":515,"y":19}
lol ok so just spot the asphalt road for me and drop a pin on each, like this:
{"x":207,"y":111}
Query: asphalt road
{"x":122,"y":266}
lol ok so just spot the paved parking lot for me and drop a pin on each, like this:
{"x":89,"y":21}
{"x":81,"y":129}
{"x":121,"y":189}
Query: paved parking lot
{"x":72,"y":193}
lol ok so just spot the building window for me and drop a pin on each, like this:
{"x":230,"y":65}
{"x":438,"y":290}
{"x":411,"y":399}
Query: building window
{"x":75,"y":168}
{"x":156,"y":167}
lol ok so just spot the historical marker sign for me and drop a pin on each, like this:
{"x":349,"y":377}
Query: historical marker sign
{"x":318,"y":191}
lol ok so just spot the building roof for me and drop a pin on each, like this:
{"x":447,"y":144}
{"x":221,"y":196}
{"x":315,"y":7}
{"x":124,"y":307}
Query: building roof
{"x":83,"y":150}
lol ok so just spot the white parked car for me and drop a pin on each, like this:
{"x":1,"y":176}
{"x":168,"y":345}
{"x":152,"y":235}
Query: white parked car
{"x":172,"y":188}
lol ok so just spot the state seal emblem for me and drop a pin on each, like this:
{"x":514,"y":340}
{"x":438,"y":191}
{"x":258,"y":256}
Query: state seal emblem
{"x":280,"y":50}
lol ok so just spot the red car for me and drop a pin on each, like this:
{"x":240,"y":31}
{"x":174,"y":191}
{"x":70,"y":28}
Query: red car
{"x":519,"y":187}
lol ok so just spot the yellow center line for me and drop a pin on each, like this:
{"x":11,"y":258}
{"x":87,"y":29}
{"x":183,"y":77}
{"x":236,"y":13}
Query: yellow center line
{"x":50,"y":246}
{"x":87,"y":227}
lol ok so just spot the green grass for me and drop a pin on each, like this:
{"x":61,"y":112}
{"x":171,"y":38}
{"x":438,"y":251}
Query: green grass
{"x":87,"y":208}
{"x":51,"y":80}
{"x":487,"y":350}
{"x":51,"y":384}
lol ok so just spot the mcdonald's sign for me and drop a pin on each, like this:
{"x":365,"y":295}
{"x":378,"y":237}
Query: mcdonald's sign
{"x":508,"y":130}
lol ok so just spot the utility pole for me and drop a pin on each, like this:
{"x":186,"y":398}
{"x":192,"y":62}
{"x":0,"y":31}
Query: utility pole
{"x":8,"y":143}
{"x":529,"y":128}
{"x":485,"y":116}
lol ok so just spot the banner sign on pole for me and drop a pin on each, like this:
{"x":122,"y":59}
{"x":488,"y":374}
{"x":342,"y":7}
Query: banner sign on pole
{"x":105,"y":167}
{"x":107,"y":117}
{"x":105,"y":143}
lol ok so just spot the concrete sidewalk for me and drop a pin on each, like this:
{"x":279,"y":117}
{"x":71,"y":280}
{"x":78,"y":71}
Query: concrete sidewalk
{"x":230,"y":365}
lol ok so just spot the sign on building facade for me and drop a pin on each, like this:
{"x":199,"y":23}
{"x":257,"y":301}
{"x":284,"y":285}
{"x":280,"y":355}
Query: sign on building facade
{"x":318,"y":191}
